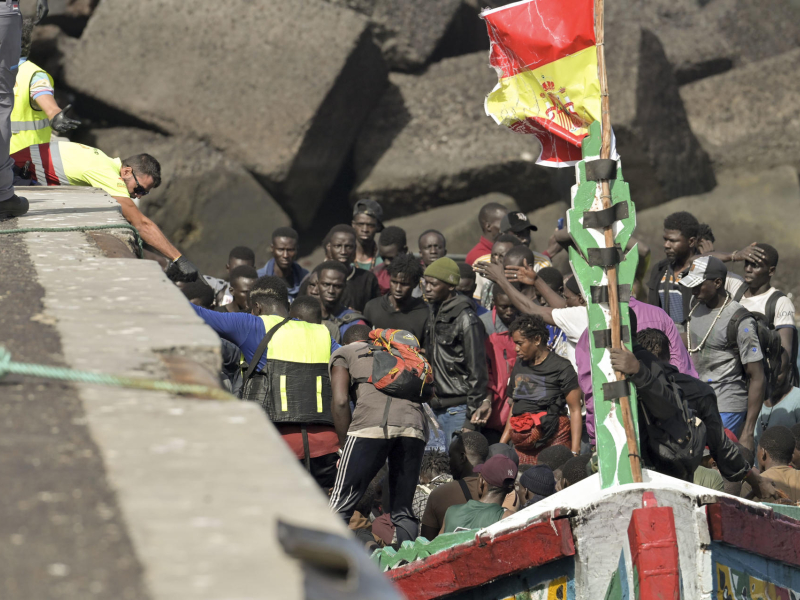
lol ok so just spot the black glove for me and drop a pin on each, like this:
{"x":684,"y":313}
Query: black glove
{"x":41,"y":10}
{"x":61,"y":123}
{"x":182,"y":270}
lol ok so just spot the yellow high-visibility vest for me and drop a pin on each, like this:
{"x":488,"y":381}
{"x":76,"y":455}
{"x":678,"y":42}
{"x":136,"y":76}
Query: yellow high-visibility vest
{"x":298,"y":341}
{"x":28,"y":126}
{"x":295,"y":386}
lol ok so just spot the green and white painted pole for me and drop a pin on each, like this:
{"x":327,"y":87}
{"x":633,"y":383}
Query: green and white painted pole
{"x":601,"y":222}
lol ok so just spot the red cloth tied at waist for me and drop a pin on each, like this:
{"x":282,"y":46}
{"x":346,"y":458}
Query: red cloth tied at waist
{"x":526,"y":421}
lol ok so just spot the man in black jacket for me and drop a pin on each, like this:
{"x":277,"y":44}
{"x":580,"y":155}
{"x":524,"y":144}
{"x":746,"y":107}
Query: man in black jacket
{"x":455,"y":348}
{"x":648,"y":368}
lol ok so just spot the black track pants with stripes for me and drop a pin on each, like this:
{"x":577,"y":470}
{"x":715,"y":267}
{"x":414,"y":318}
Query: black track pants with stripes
{"x":361,"y":460}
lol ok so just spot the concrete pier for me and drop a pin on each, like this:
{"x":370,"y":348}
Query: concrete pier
{"x":114,"y":493}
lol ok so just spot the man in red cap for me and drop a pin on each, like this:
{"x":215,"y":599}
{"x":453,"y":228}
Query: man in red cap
{"x":496,"y":479}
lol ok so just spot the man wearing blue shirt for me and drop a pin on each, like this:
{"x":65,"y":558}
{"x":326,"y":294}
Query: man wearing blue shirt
{"x":269,"y":297}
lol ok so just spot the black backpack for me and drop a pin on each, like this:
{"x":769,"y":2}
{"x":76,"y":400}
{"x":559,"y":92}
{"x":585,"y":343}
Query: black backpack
{"x":333,"y":324}
{"x":768,"y":337}
{"x":675,"y":444}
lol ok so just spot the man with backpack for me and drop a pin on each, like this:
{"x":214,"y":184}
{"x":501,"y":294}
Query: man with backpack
{"x":390,"y":381}
{"x":723,"y":341}
{"x":764,"y":301}
{"x":678,"y":415}
{"x":286,"y":373}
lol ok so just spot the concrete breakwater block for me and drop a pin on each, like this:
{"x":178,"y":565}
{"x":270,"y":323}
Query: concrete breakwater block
{"x":747,"y":116}
{"x":429,"y":143}
{"x":280,"y":87}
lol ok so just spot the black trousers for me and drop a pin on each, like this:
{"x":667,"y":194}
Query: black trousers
{"x":361,"y":460}
{"x":323,"y":470}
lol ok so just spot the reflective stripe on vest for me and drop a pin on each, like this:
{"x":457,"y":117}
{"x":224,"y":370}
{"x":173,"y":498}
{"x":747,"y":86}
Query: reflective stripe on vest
{"x":28,"y":126}
{"x":298,"y":341}
{"x":48,"y":168}
{"x":17,"y":126}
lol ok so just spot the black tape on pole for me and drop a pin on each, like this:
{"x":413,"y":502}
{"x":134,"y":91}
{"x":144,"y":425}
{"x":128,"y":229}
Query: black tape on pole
{"x":601,"y":168}
{"x":605,"y":217}
{"x":604,"y":257}
{"x":616,"y":389}
{"x":600,"y":293}
{"x":602,"y":337}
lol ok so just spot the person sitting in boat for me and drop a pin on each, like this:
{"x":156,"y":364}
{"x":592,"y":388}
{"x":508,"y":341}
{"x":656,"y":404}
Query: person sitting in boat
{"x":535,"y":484}
{"x":774,"y":455}
{"x":574,"y":470}
{"x":496,"y":479}
{"x":467,"y":450}
{"x":541,"y":387}
{"x":648,"y":368}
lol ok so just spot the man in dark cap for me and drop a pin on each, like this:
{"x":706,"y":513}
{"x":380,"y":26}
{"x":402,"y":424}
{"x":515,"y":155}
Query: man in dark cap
{"x":537,"y":483}
{"x":367,"y":221}
{"x":456,"y":351}
{"x":517,"y":223}
{"x":734,"y":371}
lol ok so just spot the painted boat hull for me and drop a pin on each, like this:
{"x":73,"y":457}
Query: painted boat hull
{"x":663,"y":539}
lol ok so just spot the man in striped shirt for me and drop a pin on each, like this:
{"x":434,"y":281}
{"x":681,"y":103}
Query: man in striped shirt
{"x":68,"y":163}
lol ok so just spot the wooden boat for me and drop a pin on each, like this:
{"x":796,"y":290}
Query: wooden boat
{"x":659,"y":539}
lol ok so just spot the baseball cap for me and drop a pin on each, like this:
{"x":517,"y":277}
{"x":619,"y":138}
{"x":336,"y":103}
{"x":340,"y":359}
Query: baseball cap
{"x":496,"y":471}
{"x":705,"y":267}
{"x":369,"y":207}
{"x":516,"y":222}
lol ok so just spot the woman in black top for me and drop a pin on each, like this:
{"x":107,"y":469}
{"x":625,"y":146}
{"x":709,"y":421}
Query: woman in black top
{"x":541,"y":386}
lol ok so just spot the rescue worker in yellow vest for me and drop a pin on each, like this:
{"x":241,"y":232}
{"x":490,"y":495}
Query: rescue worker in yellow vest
{"x":68,"y":163}
{"x":36,"y":113}
{"x":287,"y":373}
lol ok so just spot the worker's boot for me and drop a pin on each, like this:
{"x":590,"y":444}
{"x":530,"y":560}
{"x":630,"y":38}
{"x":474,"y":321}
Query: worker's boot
{"x":16,"y":206}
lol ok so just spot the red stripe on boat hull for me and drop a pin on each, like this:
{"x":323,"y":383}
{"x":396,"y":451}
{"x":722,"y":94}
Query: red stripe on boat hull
{"x":470,"y":565}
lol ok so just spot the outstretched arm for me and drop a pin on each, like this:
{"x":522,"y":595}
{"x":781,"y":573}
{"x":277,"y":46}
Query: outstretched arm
{"x":234,"y":327}
{"x":148,"y":230}
{"x":48,"y":104}
{"x":524,"y":304}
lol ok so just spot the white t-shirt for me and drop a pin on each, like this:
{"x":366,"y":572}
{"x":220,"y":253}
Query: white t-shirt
{"x":573,"y":321}
{"x":732,"y":283}
{"x":784,"y":308}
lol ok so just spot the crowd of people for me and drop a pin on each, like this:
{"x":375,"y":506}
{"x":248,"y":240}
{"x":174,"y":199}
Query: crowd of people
{"x":510,"y":418}
{"x":429,"y":396}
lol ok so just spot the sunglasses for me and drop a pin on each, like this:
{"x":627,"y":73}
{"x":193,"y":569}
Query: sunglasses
{"x":139,"y":189}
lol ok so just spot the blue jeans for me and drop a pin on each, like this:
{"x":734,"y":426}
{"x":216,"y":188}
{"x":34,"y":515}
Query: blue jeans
{"x":734,"y":421}
{"x":450,"y":420}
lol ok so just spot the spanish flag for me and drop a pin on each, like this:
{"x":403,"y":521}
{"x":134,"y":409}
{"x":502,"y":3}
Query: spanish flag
{"x":546,"y":59}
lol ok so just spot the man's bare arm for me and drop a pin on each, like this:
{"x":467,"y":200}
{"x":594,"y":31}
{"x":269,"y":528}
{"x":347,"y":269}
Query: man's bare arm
{"x":48,"y":104}
{"x":148,"y":230}
{"x":755,"y":399}
{"x":524,"y":304}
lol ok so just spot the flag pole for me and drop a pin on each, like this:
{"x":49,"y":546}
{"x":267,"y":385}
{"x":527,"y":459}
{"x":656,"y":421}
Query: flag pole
{"x":611,"y":272}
